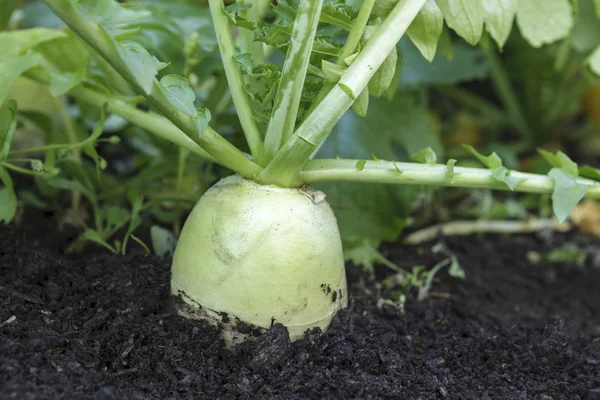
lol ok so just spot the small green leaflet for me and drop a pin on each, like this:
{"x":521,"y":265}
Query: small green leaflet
{"x":383,"y":78}
{"x":493,"y":162}
{"x":141,"y":64}
{"x":425,"y":156}
{"x":567,"y":193}
{"x":14,"y":43}
{"x":245,"y":62}
{"x":426,"y":29}
{"x":178,"y":91}
{"x":337,"y":13}
{"x":361,"y":104}
{"x":450,"y":169}
{"x":362,"y":251}
{"x":234,"y":13}
{"x":560,"y":160}
{"x":544,"y":21}
{"x":499,"y":16}
{"x":360,"y":165}
{"x":465,"y":17}
{"x":8,"y":127}
{"x":589,"y":172}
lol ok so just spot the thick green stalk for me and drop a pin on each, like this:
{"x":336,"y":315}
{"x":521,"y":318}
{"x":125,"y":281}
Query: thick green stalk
{"x":236,"y":83}
{"x":210,"y":140}
{"x":356,"y":33}
{"x":289,"y":92}
{"x":423,"y":174}
{"x":285,"y":167}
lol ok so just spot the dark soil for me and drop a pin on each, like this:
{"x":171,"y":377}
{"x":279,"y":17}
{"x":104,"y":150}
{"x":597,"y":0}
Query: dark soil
{"x":99,"y":326}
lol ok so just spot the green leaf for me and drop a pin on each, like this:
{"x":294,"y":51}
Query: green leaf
{"x":365,"y":253}
{"x":234,"y":13}
{"x":61,"y":83}
{"x":594,"y":61}
{"x":245,"y":62}
{"x":178,"y":91}
{"x":163,"y":241}
{"x":589,"y":172}
{"x":567,"y":193}
{"x":15,"y":43}
{"x":383,"y":78}
{"x":8,"y":127}
{"x":361,"y":104}
{"x":450,"y":169}
{"x":597,"y":3}
{"x":95,"y":237}
{"x":560,"y":160}
{"x":426,"y":29}
{"x":544,"y":21}
{"x":8,"y":199}
{"x":585,"y":35}
{"x":425,"y":156}
{"x":337,"y":13}
{"x":360,"y":165}
{"x":494,"y":162}
{"x":141,"y":64}
{"x":465,"y":17}
{"x":499,"y":16}
{"x":11,"y":68}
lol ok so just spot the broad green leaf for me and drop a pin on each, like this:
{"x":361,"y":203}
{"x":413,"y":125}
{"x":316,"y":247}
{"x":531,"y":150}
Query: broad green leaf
{"x":426,"y":29}
{"x":163,"y":241}
{"x":108,"y":12}
{"x":499,"y":16}
{"x":594,"y":61}
{"x":141,"y":64}
{"x":8,"y":199}
{"x":62,"y":82}
{"x":68,"y":53}
{"x":560,"y":160}
{"x":465,"y":17}
{"x":178,"y":91}
{"x":11,"y":68}
{"x":567,"y":193}
{"x":544,"y":21}
{"x":383,"y":78}
{"x":115,"y":217}
{"x":14,"y":43}
{"x":8,"y":127}
{"x":425,"y":156}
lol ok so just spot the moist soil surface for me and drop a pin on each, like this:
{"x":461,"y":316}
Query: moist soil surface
{"x":101,"y":326}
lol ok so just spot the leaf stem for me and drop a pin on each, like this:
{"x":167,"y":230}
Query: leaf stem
{"x":423,"y":174}
{"x":236,"y":83}
{"x":209,"y":140}
{"x":284,"y":169}
{"x":287,"y":100}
